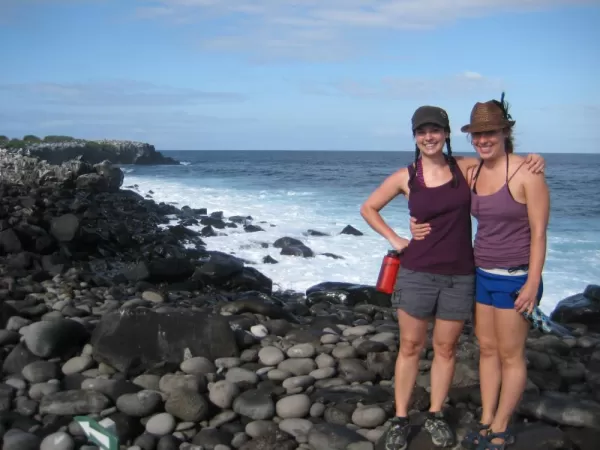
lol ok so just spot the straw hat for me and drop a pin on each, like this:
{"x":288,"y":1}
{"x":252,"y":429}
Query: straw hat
{"x":488,"y":116}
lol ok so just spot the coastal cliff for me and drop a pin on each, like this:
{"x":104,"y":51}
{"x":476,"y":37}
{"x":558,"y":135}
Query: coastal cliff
{"x":59,"y":149}
{"x":112,"y":307}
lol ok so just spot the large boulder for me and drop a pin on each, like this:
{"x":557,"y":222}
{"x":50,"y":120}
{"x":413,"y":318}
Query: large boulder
{"x":133,"y":341}
{"x":349,"y":294}
{"x":581,"y":308}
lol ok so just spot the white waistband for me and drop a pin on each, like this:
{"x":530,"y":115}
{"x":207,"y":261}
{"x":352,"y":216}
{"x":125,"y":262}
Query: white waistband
{"x":505,"y":272}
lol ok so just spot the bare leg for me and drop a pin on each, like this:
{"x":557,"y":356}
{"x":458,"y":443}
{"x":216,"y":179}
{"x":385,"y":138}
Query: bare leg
{"x":445,"y":338}
{"x":489,"y":361}
{"x":413,"y":333}
{"x":511,"y":331}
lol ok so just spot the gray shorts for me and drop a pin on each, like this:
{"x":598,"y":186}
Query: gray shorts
{"x":424,"y":295}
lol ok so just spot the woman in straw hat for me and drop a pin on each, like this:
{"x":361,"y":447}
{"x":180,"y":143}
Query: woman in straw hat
{"x":512,"y":209}
{"x":437,"y":276}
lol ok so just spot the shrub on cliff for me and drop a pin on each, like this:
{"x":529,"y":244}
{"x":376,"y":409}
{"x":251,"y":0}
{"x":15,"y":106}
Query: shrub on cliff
{"x":3,"y":140}
{"x":55,"y":139}
{"x":15,"y":143}
{"x":31,"y":139}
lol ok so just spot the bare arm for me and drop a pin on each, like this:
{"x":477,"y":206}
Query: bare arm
{"x":537,"y":197}
{"x":392,"y":186}
{"x":535,"y":163}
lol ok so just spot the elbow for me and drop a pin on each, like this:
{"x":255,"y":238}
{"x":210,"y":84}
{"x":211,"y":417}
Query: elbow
{"x":366,"y":210}
{"x":538,"y":236}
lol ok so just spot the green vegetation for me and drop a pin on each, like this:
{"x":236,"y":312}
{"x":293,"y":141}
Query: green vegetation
{"x":29,"y":139}
{"x":32,"y":139}
{"x":54,"y":139}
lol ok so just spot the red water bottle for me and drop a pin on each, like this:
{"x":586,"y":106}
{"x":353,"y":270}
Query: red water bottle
{"x":388,"y":272}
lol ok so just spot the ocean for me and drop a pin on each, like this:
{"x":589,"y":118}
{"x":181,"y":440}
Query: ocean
{"x":289,"y":192}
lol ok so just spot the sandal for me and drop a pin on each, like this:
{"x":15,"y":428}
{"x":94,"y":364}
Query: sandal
{"x":487,"y":444}
{"x":471,"y":440}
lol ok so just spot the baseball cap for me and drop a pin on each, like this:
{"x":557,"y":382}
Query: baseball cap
{"x":432,"y":115}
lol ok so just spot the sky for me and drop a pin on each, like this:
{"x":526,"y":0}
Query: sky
{"x":297,"y":74}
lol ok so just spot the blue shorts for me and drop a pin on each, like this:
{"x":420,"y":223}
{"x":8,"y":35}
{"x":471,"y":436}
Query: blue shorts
{"x":498,"y":290}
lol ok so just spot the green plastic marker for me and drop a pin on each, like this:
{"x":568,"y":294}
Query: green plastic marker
{"x":100,"y":433}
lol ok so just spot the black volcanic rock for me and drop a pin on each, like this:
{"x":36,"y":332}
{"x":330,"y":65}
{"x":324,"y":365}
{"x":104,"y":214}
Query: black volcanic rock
{"x":93,"y":152}
{"x":136,"y":340}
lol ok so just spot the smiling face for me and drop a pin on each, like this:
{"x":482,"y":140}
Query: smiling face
{"x":489,"y":144}
{"x":431,"y":139}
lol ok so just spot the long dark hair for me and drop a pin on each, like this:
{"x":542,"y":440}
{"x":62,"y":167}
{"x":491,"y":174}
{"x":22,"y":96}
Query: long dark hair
{"x":509,"y":142}
{"x":448,"y":157}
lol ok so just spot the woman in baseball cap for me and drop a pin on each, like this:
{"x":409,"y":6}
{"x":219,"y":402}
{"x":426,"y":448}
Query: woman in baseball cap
{"x":437,"y":277}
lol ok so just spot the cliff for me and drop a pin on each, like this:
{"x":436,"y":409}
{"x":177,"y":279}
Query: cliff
{"x":59,"y":149}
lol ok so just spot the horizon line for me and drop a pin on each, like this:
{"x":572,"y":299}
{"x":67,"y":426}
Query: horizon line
{"x":350,"y":150}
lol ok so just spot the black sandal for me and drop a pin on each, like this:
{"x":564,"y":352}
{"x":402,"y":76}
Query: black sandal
{"x":487,"y":444}
{"x":474,"y":437}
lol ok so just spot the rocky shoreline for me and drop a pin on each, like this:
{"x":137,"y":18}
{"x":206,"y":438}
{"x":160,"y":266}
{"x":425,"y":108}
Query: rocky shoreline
{"x":60,"y":149}
{"x":111,"y":312}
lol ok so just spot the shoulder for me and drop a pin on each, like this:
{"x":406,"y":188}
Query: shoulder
{"x":514,"y":159}
{"x":467,"y":164}
{"x":467,"y":160}
{"x":402,"y":174}
{"x":517,"y":167}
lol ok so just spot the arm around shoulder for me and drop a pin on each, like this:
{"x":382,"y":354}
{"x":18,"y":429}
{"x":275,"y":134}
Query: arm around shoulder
{"x":466,"y":164}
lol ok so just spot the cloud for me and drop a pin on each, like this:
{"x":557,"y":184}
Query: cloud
{"x":320,"y":29}
{"x":120,"y":93}
{"x":161,"y":127}
{"x":406,"y":88}
{"x":126,"y":109}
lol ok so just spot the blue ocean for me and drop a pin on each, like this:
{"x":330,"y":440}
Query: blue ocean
{"x":289,"y":192}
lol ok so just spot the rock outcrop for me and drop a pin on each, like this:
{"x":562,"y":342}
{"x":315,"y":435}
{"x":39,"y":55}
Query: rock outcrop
{"x":93,"y":152}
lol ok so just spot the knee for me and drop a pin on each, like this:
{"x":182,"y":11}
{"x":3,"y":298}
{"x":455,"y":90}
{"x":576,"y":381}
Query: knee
{"x":410,"y":348}
{"x":444,"y":350}
{"x":512,"y":356}
{"x":488,"y":349}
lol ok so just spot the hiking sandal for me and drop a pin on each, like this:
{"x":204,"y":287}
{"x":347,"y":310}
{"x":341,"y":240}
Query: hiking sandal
{"x":486,"y":442}
{"x":472,"y":439}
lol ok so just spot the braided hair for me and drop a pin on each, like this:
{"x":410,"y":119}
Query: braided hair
{"x":448,"y":157}
{"x":509,"y":143}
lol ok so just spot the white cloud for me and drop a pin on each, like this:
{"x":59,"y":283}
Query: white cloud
{"x":405,"y":88}
{"x":150,"y":126}
{"x":321,"y":29}
{"x":127,"y":109}
{"x":120,"y":93}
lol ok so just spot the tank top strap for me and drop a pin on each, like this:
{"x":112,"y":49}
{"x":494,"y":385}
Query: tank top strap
{"x":475,"y":176}
{"x":515,"y":172}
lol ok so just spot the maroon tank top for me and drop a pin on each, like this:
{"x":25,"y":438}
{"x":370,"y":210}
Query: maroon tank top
{"x":448,"y":249}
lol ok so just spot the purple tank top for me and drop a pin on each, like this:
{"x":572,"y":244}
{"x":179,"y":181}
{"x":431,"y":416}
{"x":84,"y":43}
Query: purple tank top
{"x":448,"y":249}
{"x":503,"y":235}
